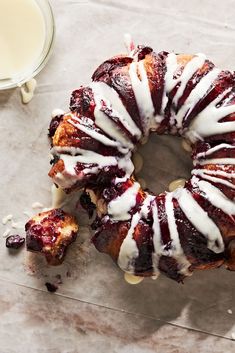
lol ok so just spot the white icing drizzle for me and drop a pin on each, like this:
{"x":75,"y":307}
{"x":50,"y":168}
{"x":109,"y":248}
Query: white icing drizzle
{"x":200,"y":219}
{"x":109,"y":127}
{"x":215,"y":161}
{"x":77,"y":155}
{"x":104,"y":92}
{"x":196,"y":95}
{"x":157,"y":244}
{"x":57,"y":112}
{"x":119,"y":208}
{"x":87,"y":157}
{"x":129,"y":251}
{"x":214,"y":149}
{"x":203,"y":173}
{"x":142,"y":94}
{"x":129,"y":44}
{"x":215,"y":196}
{"x":124,"y":163}
{"x":170,"y":82}
{"x":79,"y":124}
{"x":207,"y":122}
{"x":190,"y":69}
{"x":176,"y":250}
{"x":216,"y":172}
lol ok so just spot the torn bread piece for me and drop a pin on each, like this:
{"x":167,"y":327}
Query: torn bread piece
{"x":50,"y":233}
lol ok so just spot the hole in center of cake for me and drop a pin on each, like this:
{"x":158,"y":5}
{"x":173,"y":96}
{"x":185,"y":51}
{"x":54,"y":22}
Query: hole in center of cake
{"x":164,"y":160}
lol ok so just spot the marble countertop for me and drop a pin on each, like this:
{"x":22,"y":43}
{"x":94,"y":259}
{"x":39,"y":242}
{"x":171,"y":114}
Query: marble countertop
{"x":94,"y":309}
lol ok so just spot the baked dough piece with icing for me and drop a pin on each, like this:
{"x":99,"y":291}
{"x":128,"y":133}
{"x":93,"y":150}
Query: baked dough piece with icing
{"x":50,"y":233}
{"x":130,"y":96}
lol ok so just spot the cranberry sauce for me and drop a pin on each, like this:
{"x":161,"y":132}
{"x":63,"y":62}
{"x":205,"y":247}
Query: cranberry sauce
{"x":45,"y":233}
{"x":87,"y":204}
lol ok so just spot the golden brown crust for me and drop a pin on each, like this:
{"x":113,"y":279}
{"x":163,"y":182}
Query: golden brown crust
{"x":65,"y":134}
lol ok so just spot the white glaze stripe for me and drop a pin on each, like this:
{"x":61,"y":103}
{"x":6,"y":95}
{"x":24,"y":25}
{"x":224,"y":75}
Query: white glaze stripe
{"x":176,"y":250}
{"x":142,"y":93}
{"x":190,"y":69}
{"x":128,"y":250}
{"x":200,"y":219}
{"x":88,"y":157}
{"x":96,"y":135}
{"x":57,"y":112}
{"x":104,"y":92}
{"x":157,"y":244}
{"x":69,"y":176}
{"x":119,"y":207}
{"x":216,"y":197}
{"x":211,"y":178}
{"x":215,"y":149}
{"x":215,"y":161}
{"x":170,"y":82}
{"x":196,"y":95}
{"x":109,"y":127}
{"x":216,"y":172}
{"x":207,"y":122}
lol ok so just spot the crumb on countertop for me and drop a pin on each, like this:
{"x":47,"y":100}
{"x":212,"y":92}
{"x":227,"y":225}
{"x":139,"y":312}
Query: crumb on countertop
{"x":51,"y":287}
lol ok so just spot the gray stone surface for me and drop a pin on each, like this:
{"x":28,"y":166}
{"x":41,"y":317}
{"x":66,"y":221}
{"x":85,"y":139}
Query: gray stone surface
{"x":94,"y":310}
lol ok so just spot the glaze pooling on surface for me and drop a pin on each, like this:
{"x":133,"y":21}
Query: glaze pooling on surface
{"x":191,"y":102}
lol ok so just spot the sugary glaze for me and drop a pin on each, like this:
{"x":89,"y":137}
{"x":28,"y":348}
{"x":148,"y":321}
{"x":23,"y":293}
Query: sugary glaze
{"x":175,"y":232}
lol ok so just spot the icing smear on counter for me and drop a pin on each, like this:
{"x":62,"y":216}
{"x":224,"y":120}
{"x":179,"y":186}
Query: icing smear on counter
{"x":7,"y":219}
{"x":58,"y":196}
{"x":37,"y":205}
{"x":131,"y":279}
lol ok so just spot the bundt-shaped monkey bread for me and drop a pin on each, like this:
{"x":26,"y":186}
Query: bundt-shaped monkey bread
{"x":192,"y":227}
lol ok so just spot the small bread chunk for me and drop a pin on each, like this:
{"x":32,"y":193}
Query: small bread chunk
{"x":50,"y":233}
